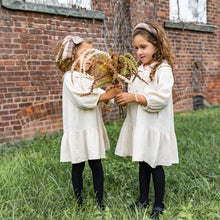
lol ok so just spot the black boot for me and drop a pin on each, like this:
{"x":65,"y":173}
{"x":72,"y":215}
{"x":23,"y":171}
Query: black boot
{"x":157,"y":211}
{"x":101,"y":206}
{"x":140,"y":204}
{"x":79,"y":198}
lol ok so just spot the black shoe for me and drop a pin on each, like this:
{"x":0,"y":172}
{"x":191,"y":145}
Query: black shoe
{"x":79,"y":202}
{"x":140,"y":205}
{"x":79,"y":198}
{"x":101,"y":206}
{"x":156,"y":212}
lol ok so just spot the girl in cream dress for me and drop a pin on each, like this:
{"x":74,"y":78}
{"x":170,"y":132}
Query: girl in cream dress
{"x":147,"y":134}
{"x":84,"y":135}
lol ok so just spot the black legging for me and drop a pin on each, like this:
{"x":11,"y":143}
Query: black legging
{"x":158,"y":174}
{"x":98,"y":179}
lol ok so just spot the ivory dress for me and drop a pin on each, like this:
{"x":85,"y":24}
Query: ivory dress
{"x":84,"y":137}
{"x":148,"y":132}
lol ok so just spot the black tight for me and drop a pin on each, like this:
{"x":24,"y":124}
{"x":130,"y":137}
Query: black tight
{"x":98,"y":179}
{"x":145,"y":171}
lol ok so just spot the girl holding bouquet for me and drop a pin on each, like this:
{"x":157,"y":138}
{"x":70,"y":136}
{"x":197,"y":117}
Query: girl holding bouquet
{"x":84,"y":138}
{"x":147,"y":134}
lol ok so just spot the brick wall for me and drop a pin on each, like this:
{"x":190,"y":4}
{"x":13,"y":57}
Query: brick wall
{"x":31,"y":85}
{"x":189,"y":46}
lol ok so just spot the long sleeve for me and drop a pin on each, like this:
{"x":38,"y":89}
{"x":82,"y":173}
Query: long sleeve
{"x":76,"y":90}
{"x":158,"y":96}
{"x":84,"y":134}
{"x":148,"y":133}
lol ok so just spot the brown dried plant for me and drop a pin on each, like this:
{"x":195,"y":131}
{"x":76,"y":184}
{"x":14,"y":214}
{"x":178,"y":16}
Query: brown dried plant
{"x":108,"y":69}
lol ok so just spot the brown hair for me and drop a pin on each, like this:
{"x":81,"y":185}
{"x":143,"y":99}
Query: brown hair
{"x":65,"y":65}
{"x":160,"y":41}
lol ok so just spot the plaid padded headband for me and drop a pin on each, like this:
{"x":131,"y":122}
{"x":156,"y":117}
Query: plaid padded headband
{"x":68,"y":43}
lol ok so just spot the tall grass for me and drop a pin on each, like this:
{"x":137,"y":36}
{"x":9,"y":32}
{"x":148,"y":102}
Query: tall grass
{"x":35,"y":185}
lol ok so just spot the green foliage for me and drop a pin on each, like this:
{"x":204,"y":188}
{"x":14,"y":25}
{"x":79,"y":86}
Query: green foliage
{"x":35,"y":185}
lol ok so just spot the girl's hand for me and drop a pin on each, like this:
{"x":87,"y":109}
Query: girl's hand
{"x":111,"y":93}
{"x":109,"y":87}
{"x":120,"y":86}
{"x":124,"y":98}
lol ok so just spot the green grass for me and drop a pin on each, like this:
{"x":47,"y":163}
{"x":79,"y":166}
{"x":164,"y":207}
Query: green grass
{"x":35,"y":185}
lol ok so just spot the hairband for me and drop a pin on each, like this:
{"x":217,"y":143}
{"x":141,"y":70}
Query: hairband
{"x":68,"y":43}
{"x":146,"y":27}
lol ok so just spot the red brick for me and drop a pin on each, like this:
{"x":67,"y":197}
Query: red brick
{"x":4,"y":124}
{"x":7,"y":62}
{"x":10,"y":106}
{"x":22,"y":83}
{"x":29,"y":76}
{"x":4,"y":113}
{"x":31,"y":88}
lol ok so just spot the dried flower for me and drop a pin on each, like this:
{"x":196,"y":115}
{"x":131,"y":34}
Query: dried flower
{"x":108,"y":69}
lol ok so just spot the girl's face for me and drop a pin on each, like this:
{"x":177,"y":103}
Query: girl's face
{"x":144,"y":49}
{"x":81,"y":49}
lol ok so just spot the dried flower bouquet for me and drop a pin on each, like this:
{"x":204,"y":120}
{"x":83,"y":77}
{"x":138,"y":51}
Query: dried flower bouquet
{"x":108,"y":69}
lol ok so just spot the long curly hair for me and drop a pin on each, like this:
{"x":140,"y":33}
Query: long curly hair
{"x":65,"y":65}
{"x":162,"y":44}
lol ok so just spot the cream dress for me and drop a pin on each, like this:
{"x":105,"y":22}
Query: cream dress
{"x":84,"y":136}
{"x":148,"y":132}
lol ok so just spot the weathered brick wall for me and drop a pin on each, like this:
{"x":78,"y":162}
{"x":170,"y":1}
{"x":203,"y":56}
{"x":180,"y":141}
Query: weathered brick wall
{"x":28,"y":75}
{"x":31,"y":85}
{"x":190,"y":47}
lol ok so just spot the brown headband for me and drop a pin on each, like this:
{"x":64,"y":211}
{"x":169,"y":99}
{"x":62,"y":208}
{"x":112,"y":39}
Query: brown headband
{"x":146,"y":27}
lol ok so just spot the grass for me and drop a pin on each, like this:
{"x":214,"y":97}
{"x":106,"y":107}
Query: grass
{"x":35,"y":185}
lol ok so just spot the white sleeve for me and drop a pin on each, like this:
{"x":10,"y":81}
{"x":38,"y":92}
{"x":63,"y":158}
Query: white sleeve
{"x":158,"y":96}
{"x":76,"y":91}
